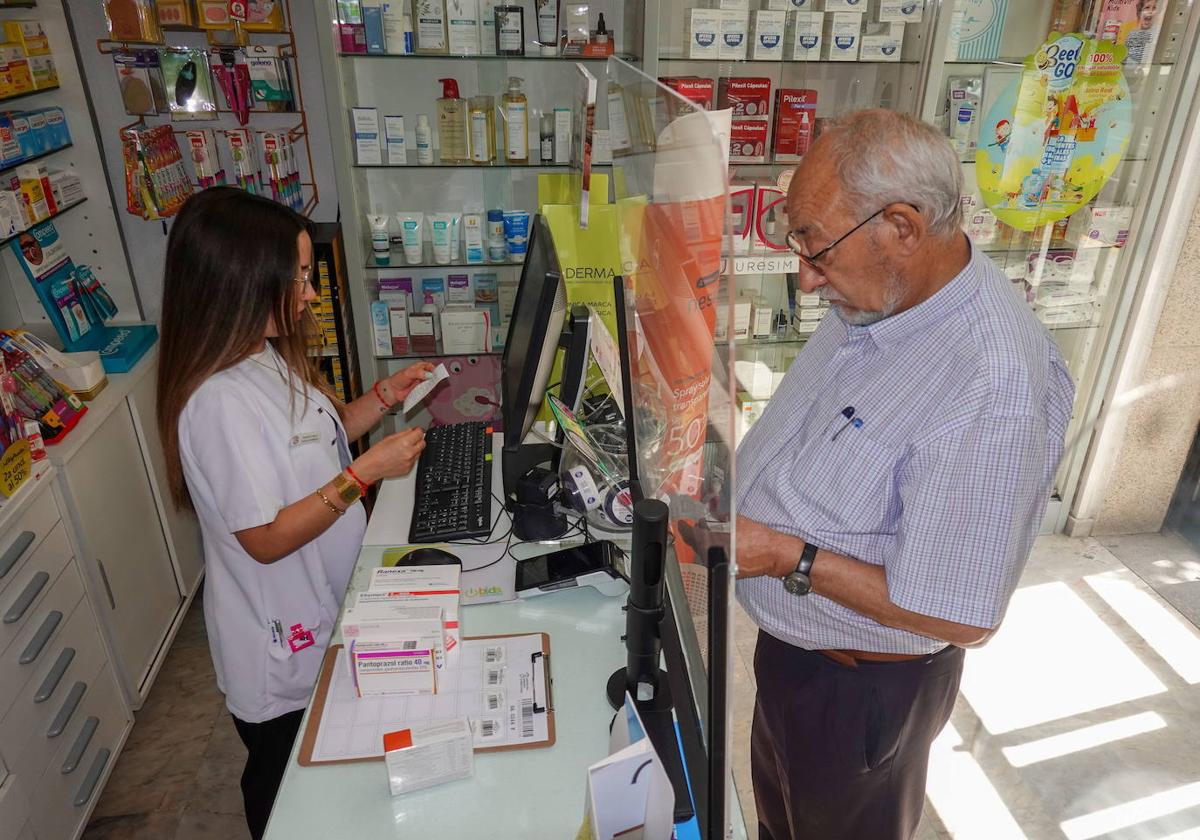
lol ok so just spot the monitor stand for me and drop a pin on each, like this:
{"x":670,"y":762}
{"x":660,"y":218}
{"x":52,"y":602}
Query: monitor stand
{"x":534,"y":519}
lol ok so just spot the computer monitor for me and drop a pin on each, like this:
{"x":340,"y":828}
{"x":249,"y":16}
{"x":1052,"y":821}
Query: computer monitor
{"x":541,"y":324}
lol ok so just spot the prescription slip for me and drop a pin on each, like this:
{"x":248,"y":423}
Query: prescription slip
{"x":501,"y":685}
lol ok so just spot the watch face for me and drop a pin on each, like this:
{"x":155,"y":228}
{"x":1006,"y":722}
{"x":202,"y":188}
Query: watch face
{"x":797,"y":583}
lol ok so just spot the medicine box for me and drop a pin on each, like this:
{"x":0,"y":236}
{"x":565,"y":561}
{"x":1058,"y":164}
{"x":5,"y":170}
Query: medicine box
{"x":803,"y":36}
{"x":382,"y":618}
{"x":748,"y":139}
{"x":788,"y":5}
{"x":795,"y":117}
{"x":741,"y":319}
{"x":881,"y":42}
{"x":730,"y":5}
{"x":856,"y":6}
{"x":426,"y":586}
{"x":897,"y":11}
{"x":735,"y":33}
{"x":1100,"y":226}
{"x":762,"y":318}
{"x":747,"y":97}
{"x":398,"y":325}
{"x":843,"y":33}
{"x":405,"y":666}
{"x":365,"y":125}
{"x":697,"y":89}
{"x":703,"y":33}
{"x":423,"y":756}
{"x":29,"y":35}
{"x":766,"y":35}
{"x":381,"y":334}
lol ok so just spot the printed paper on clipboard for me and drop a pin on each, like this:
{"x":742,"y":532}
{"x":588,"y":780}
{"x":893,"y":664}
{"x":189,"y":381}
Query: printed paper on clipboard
{"x":501,"y":686}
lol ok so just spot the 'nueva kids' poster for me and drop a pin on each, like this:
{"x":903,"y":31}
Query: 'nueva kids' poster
{"x":1056,"y":135}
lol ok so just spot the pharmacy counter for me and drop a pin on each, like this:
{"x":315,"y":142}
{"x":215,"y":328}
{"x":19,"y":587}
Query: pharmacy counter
{"x":531,"y":794}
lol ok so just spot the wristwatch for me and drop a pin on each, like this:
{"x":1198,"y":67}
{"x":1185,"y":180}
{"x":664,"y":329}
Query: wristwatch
{"x":798,"y":582}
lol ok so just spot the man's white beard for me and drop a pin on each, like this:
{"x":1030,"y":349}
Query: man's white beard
{"x":893,"y":296}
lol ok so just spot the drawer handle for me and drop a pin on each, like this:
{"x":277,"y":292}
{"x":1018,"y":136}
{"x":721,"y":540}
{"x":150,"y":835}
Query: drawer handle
{"x":15,"y":551}
{"x":26,"y":598}
{"x":48,"y":686}
{"x":89,"y":783}
{"x":67,"y":710}
{"x":81,"y":744}
{"x":34,"y":649}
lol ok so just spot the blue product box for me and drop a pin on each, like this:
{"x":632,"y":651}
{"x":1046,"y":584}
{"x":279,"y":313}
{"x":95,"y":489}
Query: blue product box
{"x":39,"y":132}
{"x":56,"y":127}
{"x":23,"y":134}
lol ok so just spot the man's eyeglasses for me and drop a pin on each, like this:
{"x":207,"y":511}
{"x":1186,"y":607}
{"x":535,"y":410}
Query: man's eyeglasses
{"x":810,"y":260}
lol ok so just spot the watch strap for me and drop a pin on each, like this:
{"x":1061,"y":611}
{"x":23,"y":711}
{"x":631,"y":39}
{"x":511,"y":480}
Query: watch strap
{"x":807,"y":556}
{"x":347,"y":489}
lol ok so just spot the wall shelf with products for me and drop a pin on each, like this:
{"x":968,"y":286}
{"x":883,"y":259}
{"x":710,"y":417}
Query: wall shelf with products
{"x":405,"y":143}
{"x":56,"y":214}
{"x":243,"y":119}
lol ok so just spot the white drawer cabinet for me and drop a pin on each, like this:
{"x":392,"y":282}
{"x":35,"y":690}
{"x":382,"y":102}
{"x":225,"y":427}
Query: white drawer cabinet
{"x":63,"y":714}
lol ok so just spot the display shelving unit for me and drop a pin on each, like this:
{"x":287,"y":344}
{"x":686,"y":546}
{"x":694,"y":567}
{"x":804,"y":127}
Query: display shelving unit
{"x":653,"y":36}
{"x":89,"y":231}
{"x":918,"y":84}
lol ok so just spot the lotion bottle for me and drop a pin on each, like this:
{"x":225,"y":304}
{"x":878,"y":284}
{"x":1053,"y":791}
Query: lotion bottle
{"x":516,"y":123}
{"x":482,"y":119}
{"x":452,"y":124}
{"x":424,"y":141}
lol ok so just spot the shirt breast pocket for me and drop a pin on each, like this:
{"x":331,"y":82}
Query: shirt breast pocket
{"x":848,"y":483}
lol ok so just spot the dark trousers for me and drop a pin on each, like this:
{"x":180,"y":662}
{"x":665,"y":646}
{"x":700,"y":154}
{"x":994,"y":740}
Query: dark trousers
{"x":270,"y":744}
{"x":841,"y":753}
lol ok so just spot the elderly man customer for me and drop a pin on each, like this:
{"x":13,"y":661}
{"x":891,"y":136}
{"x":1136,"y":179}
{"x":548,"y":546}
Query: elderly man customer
{"x":889,"y":496}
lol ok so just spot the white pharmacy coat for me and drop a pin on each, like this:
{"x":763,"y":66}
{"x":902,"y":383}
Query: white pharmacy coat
{"x":247,"y":453}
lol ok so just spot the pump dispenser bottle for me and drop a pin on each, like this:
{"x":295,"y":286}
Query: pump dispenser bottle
{"x":453,"y":127}
{"x":516,"y":122}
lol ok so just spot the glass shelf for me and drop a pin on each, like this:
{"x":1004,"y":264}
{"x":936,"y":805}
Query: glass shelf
{"x":27,"y":93}
{"x":8,"y":167}
{"x":54,"y":215}
{"x":629,"y":57}
{"x":412,"y":354}
{"x":481,"y":166}
{"x":822,"y":62}
{"x":1020,"y":62}
{"x":398,"y":264}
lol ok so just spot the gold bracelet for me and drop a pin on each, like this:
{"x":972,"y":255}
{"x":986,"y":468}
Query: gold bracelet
{"x":330,"y":504}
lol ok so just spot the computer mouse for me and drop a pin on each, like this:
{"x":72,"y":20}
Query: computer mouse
{"x":185,"y":85}
{"x":429,"y":557}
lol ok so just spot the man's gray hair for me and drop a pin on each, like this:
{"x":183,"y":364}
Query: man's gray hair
{"x":885,"y":157}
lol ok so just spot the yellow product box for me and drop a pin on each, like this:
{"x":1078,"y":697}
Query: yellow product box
{"x":45,"y":74}
{"x":35,"y":198}
{"x":29,"y":35}
{"x":16,"y":69}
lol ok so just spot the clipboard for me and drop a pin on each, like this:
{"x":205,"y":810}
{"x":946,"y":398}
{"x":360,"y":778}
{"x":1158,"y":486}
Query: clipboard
{"x":542,"y":703}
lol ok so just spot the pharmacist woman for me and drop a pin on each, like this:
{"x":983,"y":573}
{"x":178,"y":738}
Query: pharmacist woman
{"x":255,"y":444}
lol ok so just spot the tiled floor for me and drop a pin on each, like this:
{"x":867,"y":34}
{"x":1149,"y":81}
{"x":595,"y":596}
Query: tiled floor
{"x":1079,"y":720}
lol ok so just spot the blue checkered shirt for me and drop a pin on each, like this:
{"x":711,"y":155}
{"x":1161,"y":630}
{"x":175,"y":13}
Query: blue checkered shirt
{"x":964,"y":402}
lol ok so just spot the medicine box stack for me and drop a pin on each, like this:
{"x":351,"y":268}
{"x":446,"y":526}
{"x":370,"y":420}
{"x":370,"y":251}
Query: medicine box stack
{"x":882,"y":42}
{"x":842,"y":35}
{"x":803,"y":36}
{"x":420,"y":586}
{"x":697,"y":89}
{"x":810,"y":309}
{"x":750,"y":100}
{"x":766,"y":35}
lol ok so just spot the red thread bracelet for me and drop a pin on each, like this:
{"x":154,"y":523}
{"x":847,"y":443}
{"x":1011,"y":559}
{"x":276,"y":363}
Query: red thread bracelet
{"x":379,"y":396}
{"x":361,"y":484}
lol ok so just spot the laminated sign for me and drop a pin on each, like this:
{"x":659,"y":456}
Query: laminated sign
{"x":1056,"y":134}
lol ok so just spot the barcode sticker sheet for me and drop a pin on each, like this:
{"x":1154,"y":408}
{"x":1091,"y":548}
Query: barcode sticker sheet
{"x":496,"y":684}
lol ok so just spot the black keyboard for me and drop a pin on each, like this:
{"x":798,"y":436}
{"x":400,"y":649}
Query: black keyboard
{"x":454,"y":484}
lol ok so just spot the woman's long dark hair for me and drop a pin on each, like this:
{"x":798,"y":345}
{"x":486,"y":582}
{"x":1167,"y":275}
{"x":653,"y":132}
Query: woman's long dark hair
{"x":231,"y":264}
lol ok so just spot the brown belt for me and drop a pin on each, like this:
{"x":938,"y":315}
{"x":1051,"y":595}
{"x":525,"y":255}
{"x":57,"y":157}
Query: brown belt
{"x":851,"y":658}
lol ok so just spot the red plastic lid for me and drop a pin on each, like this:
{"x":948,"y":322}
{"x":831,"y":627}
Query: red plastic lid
{"x":449,"y":88}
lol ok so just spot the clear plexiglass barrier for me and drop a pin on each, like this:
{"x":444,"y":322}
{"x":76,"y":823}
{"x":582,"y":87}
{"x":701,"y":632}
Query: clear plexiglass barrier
{"x":671,"y":204}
